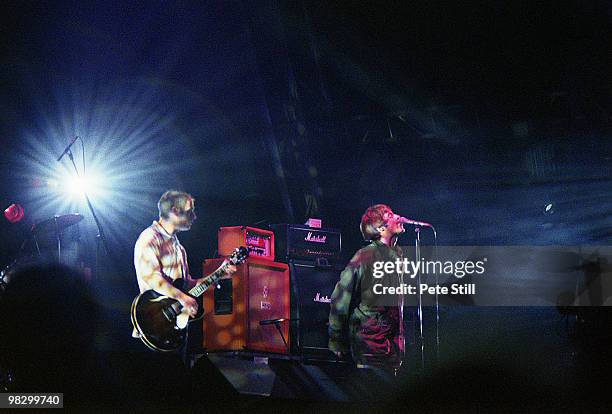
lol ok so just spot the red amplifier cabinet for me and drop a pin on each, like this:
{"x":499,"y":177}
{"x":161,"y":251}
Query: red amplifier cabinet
{"x":269,"y":297}
{"x":259,"y":242}
{"x":225,"y":310}
{"x":258,"y":291}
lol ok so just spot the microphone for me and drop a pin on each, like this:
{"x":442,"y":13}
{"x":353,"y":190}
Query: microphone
{"x":414,"y":222}
{"x":68,"y":147}
{"x":275,"y":321}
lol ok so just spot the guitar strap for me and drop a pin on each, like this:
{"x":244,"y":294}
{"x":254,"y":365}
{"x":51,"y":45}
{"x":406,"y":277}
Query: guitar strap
{"x":181,"y":261}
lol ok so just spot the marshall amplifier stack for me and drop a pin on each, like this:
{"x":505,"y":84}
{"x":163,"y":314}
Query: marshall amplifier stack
{"x":313,"y":255}
{"x":289,"y":277}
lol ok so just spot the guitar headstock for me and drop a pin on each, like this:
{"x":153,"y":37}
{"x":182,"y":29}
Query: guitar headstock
{"x":239,"y":255}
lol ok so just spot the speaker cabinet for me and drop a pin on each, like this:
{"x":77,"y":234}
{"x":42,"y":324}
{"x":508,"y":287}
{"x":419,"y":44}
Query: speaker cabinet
{"x":233,"y":309}
{"x":311,"y":290}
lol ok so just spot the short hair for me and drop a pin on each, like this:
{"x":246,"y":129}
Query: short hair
{"x":372,"y":219}
{"x":173,"y":198}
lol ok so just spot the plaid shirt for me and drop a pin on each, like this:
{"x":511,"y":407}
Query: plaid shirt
{"x":157,"y":251}
{"x":355,"y":324}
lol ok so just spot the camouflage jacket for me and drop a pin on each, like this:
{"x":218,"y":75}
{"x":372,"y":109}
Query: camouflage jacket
{"x":356,"y":321}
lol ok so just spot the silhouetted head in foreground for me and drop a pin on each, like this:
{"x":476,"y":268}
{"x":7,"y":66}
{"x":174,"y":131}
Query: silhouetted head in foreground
{"x":48,"y":320}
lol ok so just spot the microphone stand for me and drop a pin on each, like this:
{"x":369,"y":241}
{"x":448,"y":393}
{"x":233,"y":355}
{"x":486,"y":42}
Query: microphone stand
{"x":417,"y":258}
{"x":100,"y":236}
{"x":417,"y":251}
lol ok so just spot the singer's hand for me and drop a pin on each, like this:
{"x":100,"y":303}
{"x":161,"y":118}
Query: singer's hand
{"x":339,"y":354}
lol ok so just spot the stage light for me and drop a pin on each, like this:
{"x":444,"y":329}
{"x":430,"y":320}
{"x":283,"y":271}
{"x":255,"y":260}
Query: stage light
{"x":125,"y":135}
{"x":549,"y":208}
{"x":81,"y":185}
{"x":14,"y":213}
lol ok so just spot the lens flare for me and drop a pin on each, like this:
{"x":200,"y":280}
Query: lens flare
{"x":126,"y":137}
{"x":81,"y":185}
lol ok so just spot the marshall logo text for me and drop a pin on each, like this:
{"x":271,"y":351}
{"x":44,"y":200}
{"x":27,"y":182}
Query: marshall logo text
{"x":322,"y":299}
{"x":314,"y":238}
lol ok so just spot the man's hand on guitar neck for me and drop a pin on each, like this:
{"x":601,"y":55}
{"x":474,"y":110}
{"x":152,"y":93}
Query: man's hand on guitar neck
{"x":230,"y":269}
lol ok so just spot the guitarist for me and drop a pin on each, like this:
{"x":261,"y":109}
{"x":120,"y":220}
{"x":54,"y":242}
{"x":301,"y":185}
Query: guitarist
{"x":159,"y":257}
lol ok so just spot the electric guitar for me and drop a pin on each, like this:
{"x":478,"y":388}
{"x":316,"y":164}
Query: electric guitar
{"x":161,"y":321}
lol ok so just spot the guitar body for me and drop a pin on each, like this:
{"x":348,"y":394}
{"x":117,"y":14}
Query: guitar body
{"x":160,"y":321}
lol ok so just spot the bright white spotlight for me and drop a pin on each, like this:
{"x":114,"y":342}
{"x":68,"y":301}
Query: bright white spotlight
{"x":120,"y":133}
{"x":80,"y":185}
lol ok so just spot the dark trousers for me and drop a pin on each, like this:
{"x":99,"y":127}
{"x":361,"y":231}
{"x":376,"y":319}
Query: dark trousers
{"x":183,"y":351}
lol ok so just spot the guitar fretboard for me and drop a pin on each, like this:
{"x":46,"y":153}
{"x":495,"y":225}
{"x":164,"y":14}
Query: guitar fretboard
{"x":208,"y":281}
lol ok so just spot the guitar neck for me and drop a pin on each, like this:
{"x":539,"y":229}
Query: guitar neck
{"x":208,"y":282}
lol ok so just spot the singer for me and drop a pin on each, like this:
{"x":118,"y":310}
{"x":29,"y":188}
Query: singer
{"x":358,"y":328}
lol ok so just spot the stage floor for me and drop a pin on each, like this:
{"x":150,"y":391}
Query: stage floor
{"x":488,"y":359}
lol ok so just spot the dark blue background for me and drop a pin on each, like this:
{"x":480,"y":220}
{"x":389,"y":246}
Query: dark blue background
{"x":470,"y":115}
